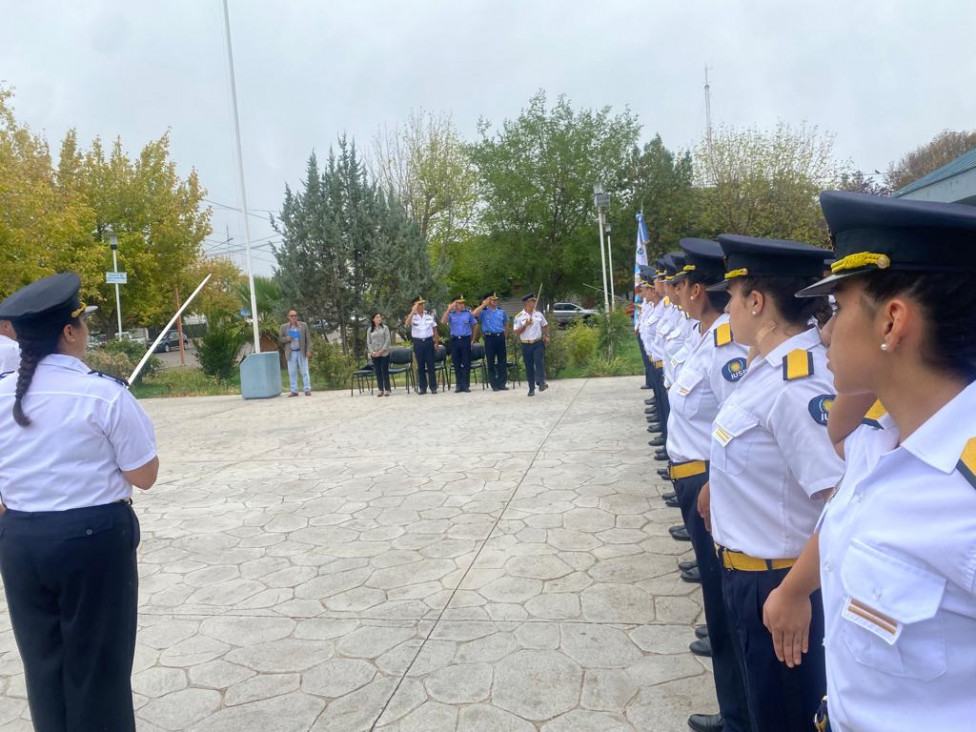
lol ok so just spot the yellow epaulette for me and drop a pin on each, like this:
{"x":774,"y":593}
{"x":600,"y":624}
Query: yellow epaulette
{"x":797,"y":364}
{"x":667,"y":300}
{"x":967,"y":463}
{"x":873,"y":416}
{"x":723,"y":335}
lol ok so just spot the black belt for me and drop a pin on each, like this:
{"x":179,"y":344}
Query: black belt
{"x":458,"y":338}
{"x":422,"y":340}
{"x":494,"y":334}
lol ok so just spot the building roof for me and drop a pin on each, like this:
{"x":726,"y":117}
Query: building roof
{"x":964,"y":162}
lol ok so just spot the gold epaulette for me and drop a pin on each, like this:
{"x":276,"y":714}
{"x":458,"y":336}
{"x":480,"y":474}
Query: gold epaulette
{"x":873,"y":416}
{"x":667,"y":301}
{"x":797,"y":364}
{"x":967,"y":463}
{"x":723,"y":335}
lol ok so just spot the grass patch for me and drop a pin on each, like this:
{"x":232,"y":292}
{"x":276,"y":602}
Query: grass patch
{"x":183,"y":382}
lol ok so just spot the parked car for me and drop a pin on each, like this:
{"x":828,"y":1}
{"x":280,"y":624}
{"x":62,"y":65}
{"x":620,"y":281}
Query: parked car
{"x":566,"y":312}
{"x":172,"y":343}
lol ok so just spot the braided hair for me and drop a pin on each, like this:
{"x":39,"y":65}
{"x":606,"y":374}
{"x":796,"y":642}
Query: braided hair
{"x":36,"y":342}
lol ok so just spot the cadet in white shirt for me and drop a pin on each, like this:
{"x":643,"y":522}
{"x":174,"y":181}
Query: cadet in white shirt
{"x":9,"y":350}
{"x":645,"y":291}
{"x":532,"y":328}
{"x":423,"y":331}
{"x":897,"y":543}
{"x":713,"y":367}
{"x":772,"y":466}
{"x":72,"y":445}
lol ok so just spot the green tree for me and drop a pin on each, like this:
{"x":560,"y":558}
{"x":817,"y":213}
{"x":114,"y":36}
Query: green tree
{"x":536,"y":178}
{"x":765,"y":183}
{"x":942,"y":149}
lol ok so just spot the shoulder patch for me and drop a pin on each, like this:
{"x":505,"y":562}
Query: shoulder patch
{"x":723,"y":335}
{"x":734,"y":369}
{"x":667,"y":300}
{"x":967,"y":463}
{"x":874,"y":414}
{"x":797,"y":364}
{"x":117,"y":380}
{"x":819,"y":408}
{"x":6,"y":374}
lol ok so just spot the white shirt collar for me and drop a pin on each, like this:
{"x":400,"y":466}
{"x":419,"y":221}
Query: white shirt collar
{"x":64,"y":361}
{"x":939,"y":442}
{"x":805,"y":340}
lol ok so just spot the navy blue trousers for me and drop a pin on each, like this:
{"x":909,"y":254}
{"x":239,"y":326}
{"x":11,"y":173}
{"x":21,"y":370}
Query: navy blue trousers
{"x":661,"y":400}
{"x":461,"y":358}
{"x":648,"y":365}
{"x":72,"y":588}
{"x":533,"y":354}
{"x":423,"y":350}
{"x":496,"y":360}
{"x":730,"y":686}
{"x":781,"y":699}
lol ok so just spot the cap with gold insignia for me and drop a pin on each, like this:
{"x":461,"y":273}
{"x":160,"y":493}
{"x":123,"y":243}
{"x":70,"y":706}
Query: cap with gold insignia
{"x":748,"y":256}
{"x":530,"y":296}
{"x":459,"y":298}
{"x":50,"y":301}
{"x":418,"y":300}
{"x":874,"y":233}
{"x":702,"y":256}
{"x":674,"y":262}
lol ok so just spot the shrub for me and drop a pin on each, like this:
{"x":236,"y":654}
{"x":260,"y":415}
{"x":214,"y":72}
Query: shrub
{"x":217,"y":350}
{"x":602,"y":366}
{"x":329,"y":367}
{"x":582,"y":341}
{"x":557,"y":352}
{"x":119,"y":358}
{"x":615,"y":331}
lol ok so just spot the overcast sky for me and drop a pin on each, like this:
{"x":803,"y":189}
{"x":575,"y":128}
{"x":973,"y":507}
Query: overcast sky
{"x":883,"y":75}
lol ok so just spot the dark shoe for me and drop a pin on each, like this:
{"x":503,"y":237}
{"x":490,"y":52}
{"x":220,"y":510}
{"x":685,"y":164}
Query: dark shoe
{"x":294,"y":393}
{"x":687,"y":564}
{"x":433,"y":391}
{"x":645,"y":386}
{"x":650,"y":410}
{"x":649,"y":402}
{"x":664,"y":473}
{"x":654,"y":426}
{"x":531,"y":393}
{"x":669,"y":495}
{"x":421,"y":393}
{"x":701,"y":631}
{"x":701,"y":647}
{"x":679,"y":533}
{"x":308,"y":392}
{"x":672,"y":503}
{"x":657,"y":441}
{"x":706,"y":722}
{"x":661,"y":454}
{"x":692,"y":575}
{"x":543,"y":387}
{"x":502,"y":388}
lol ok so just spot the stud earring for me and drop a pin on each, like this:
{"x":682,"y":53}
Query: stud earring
{"x":884,"y":346}
{"x":754,"y":312}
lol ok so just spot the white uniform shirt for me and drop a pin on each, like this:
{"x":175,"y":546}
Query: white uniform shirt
{"x":653,"y":328}
{"x":646,"y":324}
{"x":663,"y":324}
{"x":422,"y":326}
{"x":86,"y":429}
{"x":534,"y":331}
{"x":707,"y":378}
{"x":770,"y":454}
{"x":898,"y":573}
{"x":9,"y":355}
{"x":678,"y":343}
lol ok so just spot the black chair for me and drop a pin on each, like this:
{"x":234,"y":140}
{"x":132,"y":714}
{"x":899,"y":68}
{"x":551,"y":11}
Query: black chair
{"x":478,"y":365}
{"x":513,"y":364}
{"x":440,"y":364}
{"x":401,"y":362}
{"x":363,"y":377}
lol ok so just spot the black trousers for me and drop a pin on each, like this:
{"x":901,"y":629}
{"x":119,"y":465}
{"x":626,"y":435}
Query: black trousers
{"x":781,"y":699}
{"x":72,"y":588}
{"x":729,"y":684}
{"x":423,"y":349}
{"x":661,"y":400}
{"x":496,"y":359}
{"x":381,"y":367}
{"x":533,"y":354}
{"x":461,"y":358}
{"x":648,"y":365}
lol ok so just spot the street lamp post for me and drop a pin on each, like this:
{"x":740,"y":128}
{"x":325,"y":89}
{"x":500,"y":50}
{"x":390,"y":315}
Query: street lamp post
{"x":610,"y":265}
{"x":113,"y":241}
{"x":602,"y":201}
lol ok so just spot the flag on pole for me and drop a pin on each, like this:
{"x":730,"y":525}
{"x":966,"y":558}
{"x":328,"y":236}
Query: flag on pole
{"x":640,"y":260}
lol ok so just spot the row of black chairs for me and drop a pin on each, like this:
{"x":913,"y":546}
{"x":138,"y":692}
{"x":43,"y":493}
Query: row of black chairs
{"x":402,"y":364}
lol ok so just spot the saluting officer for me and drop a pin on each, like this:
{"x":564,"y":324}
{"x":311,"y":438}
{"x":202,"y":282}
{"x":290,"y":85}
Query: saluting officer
{"x":772,"y":465}
{"x":710,"y":373}
{"x":532,"y":328}
{"x":72,"y":445}
{"x":461,"y":323}
{"x":423,"y":331}
{"x":494,"y":325}
{"x":897,"y":542}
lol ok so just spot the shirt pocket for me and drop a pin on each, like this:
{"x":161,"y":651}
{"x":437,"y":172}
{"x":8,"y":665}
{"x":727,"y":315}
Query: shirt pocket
{"x":687,"y":393}
{"x":891,"y":620}
{"x":732,"y":441}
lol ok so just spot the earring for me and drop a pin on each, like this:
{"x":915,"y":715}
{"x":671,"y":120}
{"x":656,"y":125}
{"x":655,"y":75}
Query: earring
{"x":754,"y":312}
{"x":884,"y":346}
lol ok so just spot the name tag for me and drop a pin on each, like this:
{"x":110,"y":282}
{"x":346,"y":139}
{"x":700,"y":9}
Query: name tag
{"x":886,"y":628}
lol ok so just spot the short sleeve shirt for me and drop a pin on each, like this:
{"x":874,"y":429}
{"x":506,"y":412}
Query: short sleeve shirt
{"x":86,"y":429}
{"x":422,"y":326}
{"x":770,"y":454}
{"x":898,"y":575}
{"x":534,"y":331}
{"x":493,"y":320}
{"x":9,"y":355}
{"x":461,"y":323}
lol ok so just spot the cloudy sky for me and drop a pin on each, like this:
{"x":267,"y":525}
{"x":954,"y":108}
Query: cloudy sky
{"x":883,"y":75}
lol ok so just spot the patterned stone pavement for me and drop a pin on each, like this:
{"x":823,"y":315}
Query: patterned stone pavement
{"x":478,"y":562}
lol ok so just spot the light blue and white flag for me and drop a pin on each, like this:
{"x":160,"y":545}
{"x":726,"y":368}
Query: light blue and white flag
{"x":640,"y":260}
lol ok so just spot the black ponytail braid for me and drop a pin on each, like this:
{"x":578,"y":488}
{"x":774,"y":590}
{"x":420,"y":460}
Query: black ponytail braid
{"x":35,"y":344}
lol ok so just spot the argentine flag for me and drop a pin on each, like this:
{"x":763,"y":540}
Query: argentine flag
{"x":640,"y":260}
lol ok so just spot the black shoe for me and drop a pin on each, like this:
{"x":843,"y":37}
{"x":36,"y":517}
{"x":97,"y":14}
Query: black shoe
{"x":543,"y":387}
{"x":654,"y":426}
{"x":706,"y":722}
{"x":502,"y":388}
{"x":701,"y":647}
{"x":672,"y":503}
{"x":421,"y":393}
{"x":661,"y":454}
{"x":679,"y":533}
{"x":664,"y":473}
{"x":692,"y":575}
{"x":650,"y":410}
{"x":649,"y":402}
{"x":531,"y":393}
{"x":686,"y":565}
{"x":701,"y":631}
{"x":657,"y":441}
{"x":433,"y":391}
{"x":669,"y":495}
{"x":645,"y":386}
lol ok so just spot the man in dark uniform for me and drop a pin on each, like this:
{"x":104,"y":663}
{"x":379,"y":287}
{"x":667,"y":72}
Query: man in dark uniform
{"x":494,"y":324}
{"x":462,"y":323}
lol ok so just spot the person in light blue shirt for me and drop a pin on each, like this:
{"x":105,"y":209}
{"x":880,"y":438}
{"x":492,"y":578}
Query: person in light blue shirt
{"x":494,"y":324}
{"x":462,"y":323}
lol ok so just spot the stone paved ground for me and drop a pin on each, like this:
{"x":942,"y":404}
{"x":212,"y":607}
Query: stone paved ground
{"x":480,"y":562}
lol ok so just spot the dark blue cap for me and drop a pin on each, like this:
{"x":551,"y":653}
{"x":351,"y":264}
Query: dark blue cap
{"x":747,"y":256}
{"x":52,"y":300}
{"x":873,"y":233}
{"x":702,"y":256}
{"x":530,"y":296}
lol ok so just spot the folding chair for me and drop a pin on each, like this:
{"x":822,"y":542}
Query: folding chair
{"x":440,"y":364}
{"x":513,"y":364}
{"x":401,"y":362}
{"x":364,"y":376}
{"x":478,"y":365}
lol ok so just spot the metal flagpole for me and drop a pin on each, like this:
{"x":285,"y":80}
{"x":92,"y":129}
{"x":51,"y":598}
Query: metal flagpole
{"x":610,"y":264}
{"x":242,"y":188}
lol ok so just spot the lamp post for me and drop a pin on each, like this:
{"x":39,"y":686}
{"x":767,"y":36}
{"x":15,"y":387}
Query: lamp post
{"x":113,"y":241}
{"x":610,"y":265}
{"x":602,"y":202}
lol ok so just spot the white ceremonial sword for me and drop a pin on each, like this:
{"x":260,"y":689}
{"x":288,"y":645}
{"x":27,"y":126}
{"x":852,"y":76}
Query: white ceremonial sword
{"x":164,"y":331}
